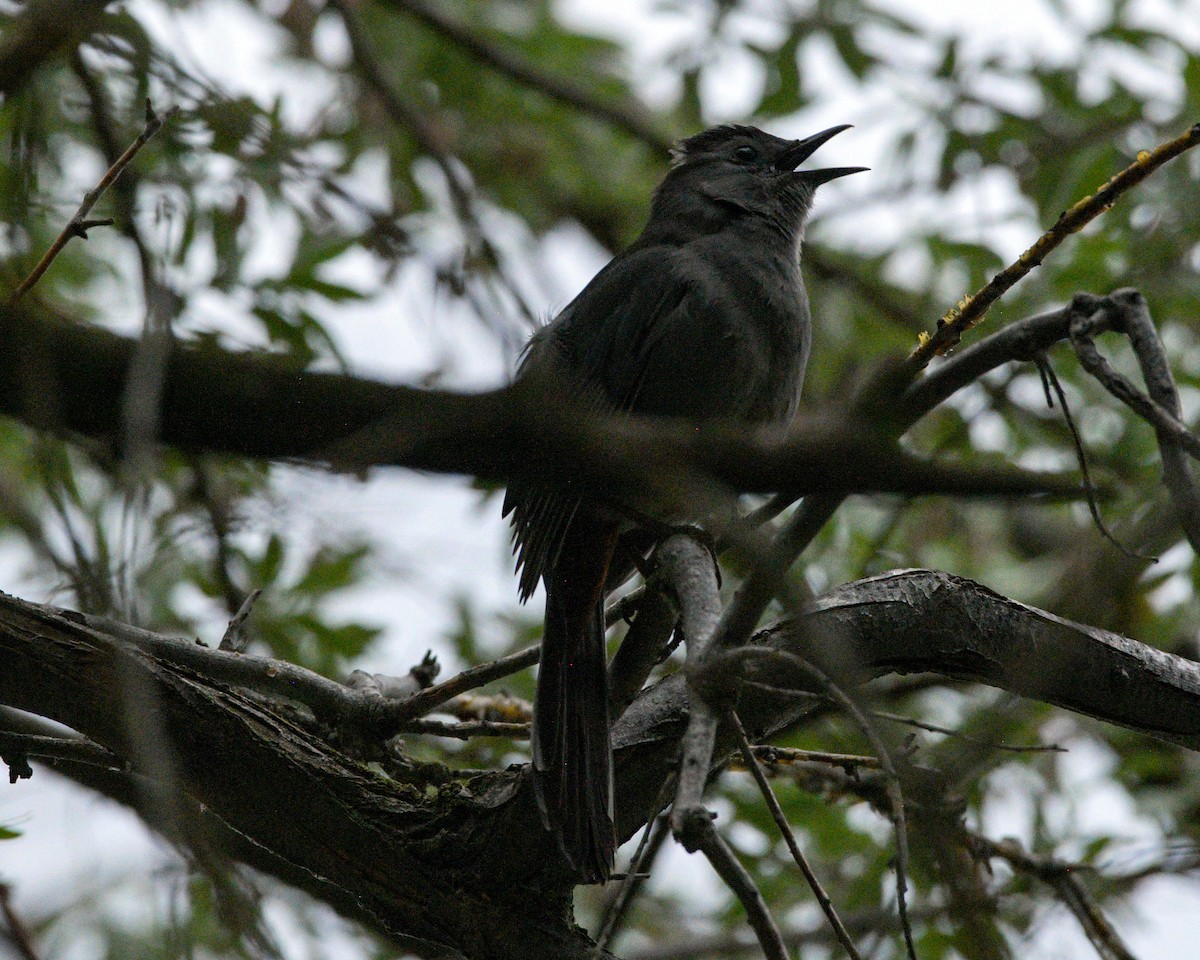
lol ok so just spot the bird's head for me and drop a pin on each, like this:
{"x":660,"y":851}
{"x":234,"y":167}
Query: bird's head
{"x":735,"y":170}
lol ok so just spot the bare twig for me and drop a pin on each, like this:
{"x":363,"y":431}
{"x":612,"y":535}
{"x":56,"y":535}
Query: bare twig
{"x":1063,"y":879}
{"x":1054,"y":389}
{"x":627,"y":116}
{"x":469,"y":679}
{"x":653,"y":836}
{"x":971,"y":309}
{"x":625,"y":607}
{"x":739,"y":881}
{"x":895,"y":793}
{"x":789,"y":838}
{"x":79,"y":225}
{"x":159,"y":299}
{"x":1020,"y":340}
{"x":17,"y":933}
{"x":774,"y":756}
{"x":959,"y":735}
{"x":1160,"y":407}
{"x":235,"y":638}
{"x":1164,"y":420}
{"x":467,"y":730}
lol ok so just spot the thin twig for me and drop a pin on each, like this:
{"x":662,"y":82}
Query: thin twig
{"x":627,"y":116}
{"x":971,"y":309}
{"x":78,"y":224}
{"x":1063,"y":879}
{"x":235,"y":638}
{"x":16,"y":928}
{"x":1166,"y":422}
{"x":655,"y":833}
{"x":789,"y":838}
{"x":1160,"y":407}
{"x":125,"y":187}
{"x":959,"y":735}
{"x":895,"y":793}
{"x":1053,"y":388}
{"x":787,"y":756}
{"x":467,"y":730}
{"x":625,"y":607}
{"x":739,"y":881}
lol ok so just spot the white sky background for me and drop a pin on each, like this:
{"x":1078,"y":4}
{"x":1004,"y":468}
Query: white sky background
{"x":437,"y":528}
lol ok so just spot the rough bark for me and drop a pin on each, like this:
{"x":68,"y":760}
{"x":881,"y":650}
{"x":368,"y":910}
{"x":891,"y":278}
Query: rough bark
{"x":466,"y":869}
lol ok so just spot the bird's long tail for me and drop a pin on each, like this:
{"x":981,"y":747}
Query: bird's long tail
{"x":572,"y":758}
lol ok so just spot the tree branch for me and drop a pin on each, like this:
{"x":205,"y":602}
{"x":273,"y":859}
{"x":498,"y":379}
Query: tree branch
{"x":970,"y":310}
{"x":1064,"y":879}
{"x":78,"y":225}
{"x":627,"y":116}
{"x":294,"y":805}
{"x":777,"y":814}
{"x":70,"y":379}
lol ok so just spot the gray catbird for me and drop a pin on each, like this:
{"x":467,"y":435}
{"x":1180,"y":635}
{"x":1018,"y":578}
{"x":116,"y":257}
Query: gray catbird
{"x":704,"y":316}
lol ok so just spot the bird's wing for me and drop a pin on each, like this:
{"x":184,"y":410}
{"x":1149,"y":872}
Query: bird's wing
{"x":661,"y":332}
{"x":639,"y":338}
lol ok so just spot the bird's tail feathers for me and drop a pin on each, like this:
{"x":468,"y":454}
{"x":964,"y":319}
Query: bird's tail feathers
{"x":572,"y":758}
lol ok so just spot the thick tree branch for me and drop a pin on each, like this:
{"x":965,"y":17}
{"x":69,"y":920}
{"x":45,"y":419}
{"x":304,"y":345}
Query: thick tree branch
{"x":71,"y":379}
{"x":415,"y":865}
{"x":1019,"y":341}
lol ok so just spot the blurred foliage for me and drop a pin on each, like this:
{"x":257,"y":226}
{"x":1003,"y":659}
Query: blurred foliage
{"x":285,"y":163}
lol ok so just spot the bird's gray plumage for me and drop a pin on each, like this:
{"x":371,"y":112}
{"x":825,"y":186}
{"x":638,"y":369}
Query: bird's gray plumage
{"x":703,"y":317}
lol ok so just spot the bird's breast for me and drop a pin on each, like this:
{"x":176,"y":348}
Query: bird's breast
{"x":767,"y":329}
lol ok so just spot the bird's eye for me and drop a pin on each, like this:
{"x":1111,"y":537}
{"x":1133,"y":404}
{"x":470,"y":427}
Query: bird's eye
{"x":745,"y":154}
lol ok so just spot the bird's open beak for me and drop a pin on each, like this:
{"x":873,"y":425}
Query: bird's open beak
{"x":801,"y":150}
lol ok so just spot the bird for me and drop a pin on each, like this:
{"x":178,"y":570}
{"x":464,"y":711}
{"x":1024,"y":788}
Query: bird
{"x":703,"y":317}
